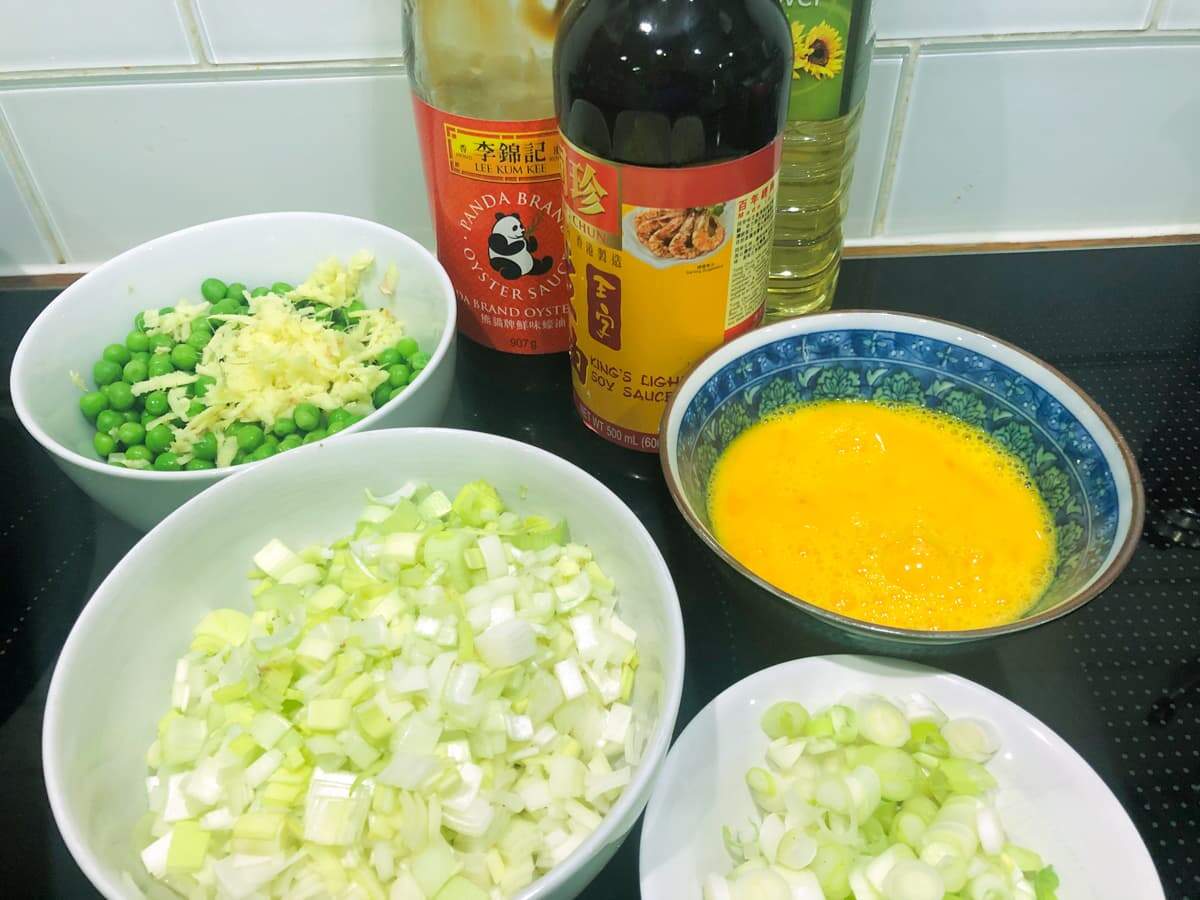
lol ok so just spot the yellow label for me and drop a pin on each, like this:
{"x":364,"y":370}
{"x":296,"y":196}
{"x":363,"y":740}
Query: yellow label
{"x":666,"y":265}
{"x":502,"y":156}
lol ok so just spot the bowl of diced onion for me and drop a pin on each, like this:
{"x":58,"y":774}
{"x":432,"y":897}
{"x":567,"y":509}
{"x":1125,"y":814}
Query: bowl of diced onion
{"x":58,"y":351}
{"x":432,"y":663}
{"x":880,"y":779}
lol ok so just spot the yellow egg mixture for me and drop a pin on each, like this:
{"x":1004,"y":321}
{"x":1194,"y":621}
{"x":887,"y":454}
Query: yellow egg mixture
{"x":895,"y":515}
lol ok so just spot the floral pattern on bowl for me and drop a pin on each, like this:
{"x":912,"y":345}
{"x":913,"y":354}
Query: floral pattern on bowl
{"x":1064,"y":461}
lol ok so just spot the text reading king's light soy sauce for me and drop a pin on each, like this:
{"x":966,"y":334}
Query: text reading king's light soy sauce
{"x":670,"y":114}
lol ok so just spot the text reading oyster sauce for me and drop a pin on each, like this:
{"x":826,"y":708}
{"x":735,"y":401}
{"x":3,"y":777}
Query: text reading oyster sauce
{"x":893,"y":515}
{"x":495,"y":191}
{"x":666,"y":264}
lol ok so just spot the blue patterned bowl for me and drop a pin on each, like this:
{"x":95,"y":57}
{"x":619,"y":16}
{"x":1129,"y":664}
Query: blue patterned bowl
{"x":1076,"y":457}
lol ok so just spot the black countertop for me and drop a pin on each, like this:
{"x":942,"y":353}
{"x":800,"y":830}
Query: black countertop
{"x":1124,"y":324}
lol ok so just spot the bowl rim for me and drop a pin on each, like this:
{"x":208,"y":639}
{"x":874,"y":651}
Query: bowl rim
{"x":881,"y":667}
{"x":632,"y":799}
{"x":66,"y":454}
{"x":844,"y":319}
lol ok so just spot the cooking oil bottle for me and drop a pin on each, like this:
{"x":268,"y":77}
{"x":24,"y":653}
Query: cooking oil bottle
{"x":833,"y":42}
{"x":483,"y":97}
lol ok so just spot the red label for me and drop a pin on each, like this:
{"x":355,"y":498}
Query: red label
{"x":495,"y":190}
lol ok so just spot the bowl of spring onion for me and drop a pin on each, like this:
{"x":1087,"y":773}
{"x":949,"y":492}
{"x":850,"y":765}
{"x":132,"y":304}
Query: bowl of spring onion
{"x":175,"y":363}
{"x":862,"y":777}
{"x":428,"y":664}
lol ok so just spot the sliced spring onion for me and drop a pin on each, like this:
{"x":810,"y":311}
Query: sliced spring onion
{"x":872,"y":799}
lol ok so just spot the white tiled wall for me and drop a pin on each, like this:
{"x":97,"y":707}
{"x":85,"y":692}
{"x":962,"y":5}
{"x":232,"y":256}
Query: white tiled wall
{"x":288,"y":31}
{"x":986,"y":121}
{"x":65,"y":34}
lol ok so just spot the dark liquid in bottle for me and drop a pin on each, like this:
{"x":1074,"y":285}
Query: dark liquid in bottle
{"x":672,"y":82}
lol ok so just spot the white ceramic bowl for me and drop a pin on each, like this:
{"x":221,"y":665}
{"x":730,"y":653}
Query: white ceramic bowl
{"x":112,"y":681}
{"x":1049,"y":799}
{"x":99,"y":308}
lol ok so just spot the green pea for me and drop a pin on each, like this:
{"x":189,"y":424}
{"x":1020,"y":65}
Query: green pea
{"x":396,"y":392}
{"x":139,"y":451}
{"x":156,"y":403}
{"x":167,"y":462}
{"x":139,"y":322}
{"x":195,"y":408}
{"x":199,"y":339}
{"x":382,"y":395}
{"x":160,"y":341}
{"x":201,"y":385}
{"x":104,"y":443}
{"x":224,"y":307}
{"x":249,"y":438}
{"x":131,"y":415}
{"x":160,"y":364}
{"x":105,"y":371}
{"x":163,"y":310}
{"x":206,"y":447}
{"x":120,"y":396}
{"x":93,"y":403}
{"x":195,"y":465}
{"x":270,"y":440}
{"x":239,"y":458}
{"x":313,"y":436}
{"x":108,"y":420}
{"x":306,"y":416}
{"x":399,"y":375}
{"x":260,"y":292}
{"x":140,"y":356}
{"x":117,"y":353}
{"x":237,"y":291}
{"x":135,"y":370}
{"x":340,"y":415}
{"x":159,"y":438}
{"x":419,"y":360}
{"x":213,"y":289}
{"x":137,"y":341}
{"x":336,"y":425}
{"x":185,"y":357}
{"x":407,"y":346}
{"x":388,"y":357}
{"x":291,"y":442}
{"x":147,"y":418}
{"x":266,"y":450}
{"x":284,"y":426}
{"x":131,"y":433}
{"x":281,"y":287}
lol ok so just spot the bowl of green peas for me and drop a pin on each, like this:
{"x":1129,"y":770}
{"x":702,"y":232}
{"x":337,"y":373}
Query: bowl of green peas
{"x":210,"y":349}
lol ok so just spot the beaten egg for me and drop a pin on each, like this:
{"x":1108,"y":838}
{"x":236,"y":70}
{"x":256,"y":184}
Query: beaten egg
{"x":889,"y":514}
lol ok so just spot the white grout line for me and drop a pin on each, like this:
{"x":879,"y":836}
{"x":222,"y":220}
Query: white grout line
{"x":1156,"y":14}
{"x":200,"y":72}
{"x":197,"y":37}
{"x":908,"y":71}
{"x":10,"y":153}
{"x":984,"y":41}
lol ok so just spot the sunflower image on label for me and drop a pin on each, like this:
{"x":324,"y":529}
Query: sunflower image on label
{"x":665,"y":265}
{"x":495,"y":192}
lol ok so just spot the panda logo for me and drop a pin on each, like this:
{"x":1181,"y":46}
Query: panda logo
{"x":510,"y":249}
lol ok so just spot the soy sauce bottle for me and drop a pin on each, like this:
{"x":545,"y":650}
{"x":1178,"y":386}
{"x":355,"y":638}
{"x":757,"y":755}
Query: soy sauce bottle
{"x":670,"y":114}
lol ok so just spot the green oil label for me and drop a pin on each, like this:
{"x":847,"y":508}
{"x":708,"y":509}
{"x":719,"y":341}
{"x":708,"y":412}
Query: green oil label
{"x":833,"y":40}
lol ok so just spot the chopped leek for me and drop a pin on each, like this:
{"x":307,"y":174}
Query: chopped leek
{"x":876,"y":800}
{"x":434,"y":708}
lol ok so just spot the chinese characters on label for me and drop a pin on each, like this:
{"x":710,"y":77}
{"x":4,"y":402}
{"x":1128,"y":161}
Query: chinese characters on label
{"x":501,"y":157}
